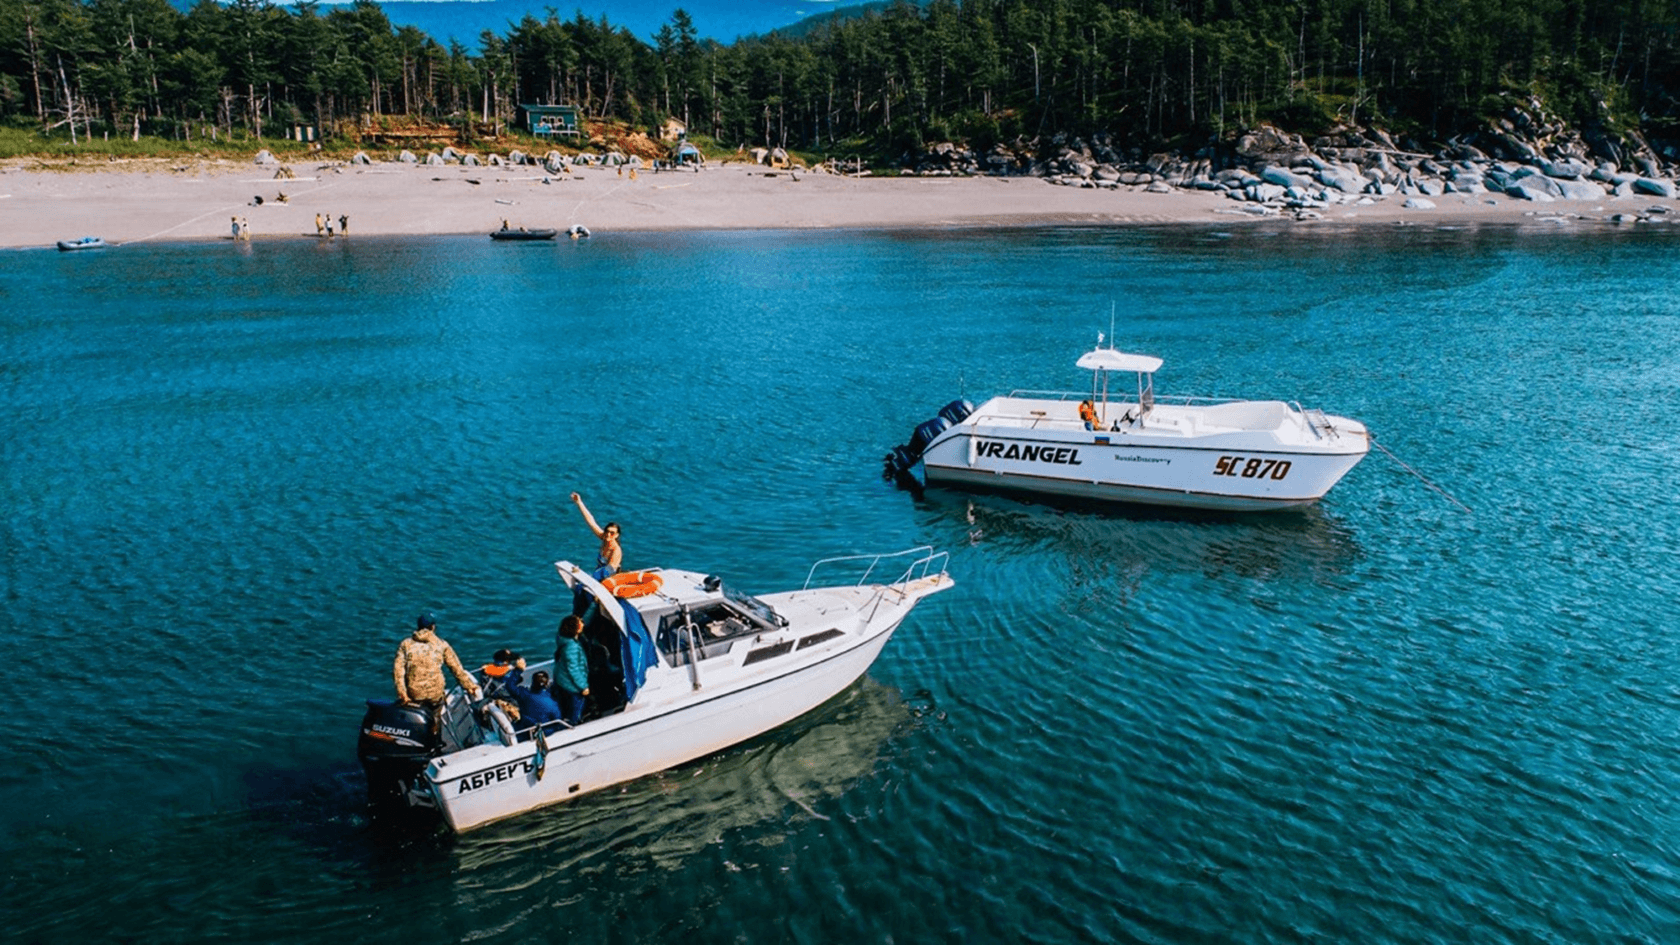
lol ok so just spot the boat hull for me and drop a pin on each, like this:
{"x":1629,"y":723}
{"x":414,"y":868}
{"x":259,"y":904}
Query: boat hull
{"x":1117,"y":467}
{"x":494,"y":782}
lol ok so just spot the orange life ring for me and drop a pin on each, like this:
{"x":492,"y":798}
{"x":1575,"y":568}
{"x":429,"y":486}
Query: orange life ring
{"x":633,"y":583}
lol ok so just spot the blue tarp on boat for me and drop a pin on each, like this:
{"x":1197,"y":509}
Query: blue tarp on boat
{"x":636,"y":651}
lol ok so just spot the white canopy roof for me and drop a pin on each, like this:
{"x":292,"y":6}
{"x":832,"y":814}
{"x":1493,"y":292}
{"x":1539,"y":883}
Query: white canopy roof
{"x":1108,"y":359}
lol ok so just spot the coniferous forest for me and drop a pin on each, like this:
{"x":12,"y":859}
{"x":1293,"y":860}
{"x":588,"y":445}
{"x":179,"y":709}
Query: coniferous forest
{"x":1153,"y":73}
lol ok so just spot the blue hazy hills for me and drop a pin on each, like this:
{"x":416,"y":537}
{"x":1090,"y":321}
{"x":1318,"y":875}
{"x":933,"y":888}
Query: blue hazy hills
{"x":722,"y":20}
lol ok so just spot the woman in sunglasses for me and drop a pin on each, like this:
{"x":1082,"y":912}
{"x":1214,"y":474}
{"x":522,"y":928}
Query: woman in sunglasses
{"x":611,"y":557}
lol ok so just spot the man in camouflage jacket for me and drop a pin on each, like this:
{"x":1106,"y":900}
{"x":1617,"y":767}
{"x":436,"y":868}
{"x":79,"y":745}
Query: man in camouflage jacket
{"x":421,"y":658}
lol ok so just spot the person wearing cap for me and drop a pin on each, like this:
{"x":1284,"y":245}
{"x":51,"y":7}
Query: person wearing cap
{"x":421,"y":658}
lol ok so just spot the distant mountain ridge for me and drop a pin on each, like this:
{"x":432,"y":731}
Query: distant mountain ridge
{"x":722,"y":20}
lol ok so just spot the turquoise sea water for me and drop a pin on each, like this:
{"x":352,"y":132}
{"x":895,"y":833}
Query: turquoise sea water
{"x":232,"y":475}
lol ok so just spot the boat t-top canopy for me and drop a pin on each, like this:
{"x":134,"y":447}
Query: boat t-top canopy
{"x":1108,"y":359}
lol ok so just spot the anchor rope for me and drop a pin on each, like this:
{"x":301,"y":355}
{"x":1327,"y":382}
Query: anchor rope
{"x":1420,"y":476}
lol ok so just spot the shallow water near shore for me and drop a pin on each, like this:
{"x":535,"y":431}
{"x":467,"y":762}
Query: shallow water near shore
{"x":233,"y":474}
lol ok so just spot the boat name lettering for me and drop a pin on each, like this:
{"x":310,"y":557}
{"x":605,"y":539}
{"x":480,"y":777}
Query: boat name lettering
{"x":1061,"y":455}
{"x":493,"y":775}
{"x":1252,"y":468}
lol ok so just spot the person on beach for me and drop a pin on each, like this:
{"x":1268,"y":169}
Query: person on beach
{"x":571,"y":670}
{"x":235,"y":226}
{"x":245,"y":229}
{"x":343,"y":224}
{"x":329,"y":226}
{"x":418,"y":671}
{"x":320,"y":225}
{"x":611,"y":556}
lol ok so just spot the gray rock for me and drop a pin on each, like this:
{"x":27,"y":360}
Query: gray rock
{"x":1380,"y":189}
{"x":1654,"y":186}
{"x":1342,"y":179}
{"x":407,"y":157}
{"x":1264,"y":193}
{"x":1202,"y":183}
{"x":1622,"y":218}
{"x":1466,"y":185}
{"x":361,"y":158}
{"x":1272,"y":174}
{"x":263,"y":157}
{"x":1564,"y":170}
{"x":1605,"y":173}
{"x":1537,"y":188}
{"x":1622,"y":189}
{"x":1106,"y":172}
{"x":1158,"y":187}
{"x":1580,"y":190}
{"x":470,"y":160}
{"x":1419,"y":203}
{"x":433,"y":160}
{"x":1431,"y":188}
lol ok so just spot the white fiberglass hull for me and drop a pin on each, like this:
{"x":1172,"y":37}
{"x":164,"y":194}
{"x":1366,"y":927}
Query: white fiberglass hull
{"x":672,"y":721}
{"x":1234,"y":471}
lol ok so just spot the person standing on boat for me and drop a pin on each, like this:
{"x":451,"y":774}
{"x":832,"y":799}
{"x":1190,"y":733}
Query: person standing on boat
{"x":611,"y":557}
{"x":421,"y":658}
{"x":571,"y":670}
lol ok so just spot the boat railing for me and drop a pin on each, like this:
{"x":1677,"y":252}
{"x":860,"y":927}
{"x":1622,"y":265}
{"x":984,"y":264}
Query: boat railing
{"x":1180,"y":400}
{"x":924,"y":561}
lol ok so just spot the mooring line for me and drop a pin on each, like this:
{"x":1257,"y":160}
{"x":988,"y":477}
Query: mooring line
{"x":1420,"y":476}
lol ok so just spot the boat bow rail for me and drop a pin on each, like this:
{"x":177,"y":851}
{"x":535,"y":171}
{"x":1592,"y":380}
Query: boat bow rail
{"x":923,"y":561}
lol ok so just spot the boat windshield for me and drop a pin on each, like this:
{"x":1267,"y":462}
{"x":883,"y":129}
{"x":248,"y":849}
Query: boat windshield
{"x":756,"y":609}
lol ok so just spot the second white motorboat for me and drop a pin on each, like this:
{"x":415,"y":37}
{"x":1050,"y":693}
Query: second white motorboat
{"x":1189,"y":452}
{"x":681,"y":666}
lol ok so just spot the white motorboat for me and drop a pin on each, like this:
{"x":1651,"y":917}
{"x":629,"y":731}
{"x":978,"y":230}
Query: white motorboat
{"x":1192,"y":452}
{"x":688,"y":668}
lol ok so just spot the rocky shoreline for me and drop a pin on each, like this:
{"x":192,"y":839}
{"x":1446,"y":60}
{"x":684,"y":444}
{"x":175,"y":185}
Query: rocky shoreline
{"x":1270,"y":172}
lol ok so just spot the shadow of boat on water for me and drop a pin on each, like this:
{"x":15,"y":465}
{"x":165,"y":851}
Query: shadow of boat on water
{"x":1127,"y":542}
{"x":659,"y":821}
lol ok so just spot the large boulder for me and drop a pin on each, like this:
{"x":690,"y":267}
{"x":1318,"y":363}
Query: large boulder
{"x":1565,"y":170}
{"x":1272,"y":174}
{"x":264,"y":157}
{"x":1580,"y":190}
{"x":1654,"y":186}
{"x":1535,"y":187}
{"x":407,"y":157}
{"x":1341,"y":178}
{"x":361,"y":157}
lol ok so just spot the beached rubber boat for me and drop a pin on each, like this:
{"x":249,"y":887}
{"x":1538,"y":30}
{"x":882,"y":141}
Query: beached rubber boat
{"x":86,"y":242}
{"x":684,"y":667}
{"x":522,"y":234}
{"x":1189,"y":452}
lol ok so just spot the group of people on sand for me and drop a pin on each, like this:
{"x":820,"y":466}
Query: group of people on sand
{"x":324,"y":224}
{"x":422,"y":657}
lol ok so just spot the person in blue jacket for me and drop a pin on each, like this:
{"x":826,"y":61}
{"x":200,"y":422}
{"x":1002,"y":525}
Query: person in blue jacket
{"x":571,"y":670}
{"x":536,"y":706}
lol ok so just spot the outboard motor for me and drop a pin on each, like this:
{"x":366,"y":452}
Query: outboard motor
{"x":955,"y":412}
{"x":925,"y":434}
{"x":395,"y":744}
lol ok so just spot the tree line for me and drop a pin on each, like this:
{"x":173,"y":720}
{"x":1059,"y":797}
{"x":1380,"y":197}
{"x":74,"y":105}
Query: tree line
{"x":1152,"y":72}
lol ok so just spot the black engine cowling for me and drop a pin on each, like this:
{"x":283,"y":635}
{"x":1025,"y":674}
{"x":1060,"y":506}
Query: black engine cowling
{"x":395,"y":743}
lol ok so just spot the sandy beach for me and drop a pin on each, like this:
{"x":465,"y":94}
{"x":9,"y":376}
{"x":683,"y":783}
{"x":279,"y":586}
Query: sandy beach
{"x":148,"y":200}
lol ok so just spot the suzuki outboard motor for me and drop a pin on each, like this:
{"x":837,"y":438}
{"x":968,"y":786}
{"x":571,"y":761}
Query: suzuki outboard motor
{"x":395,"y":744}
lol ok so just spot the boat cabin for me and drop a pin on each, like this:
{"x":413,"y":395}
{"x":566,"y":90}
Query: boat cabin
{"x":1103,"y":361}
